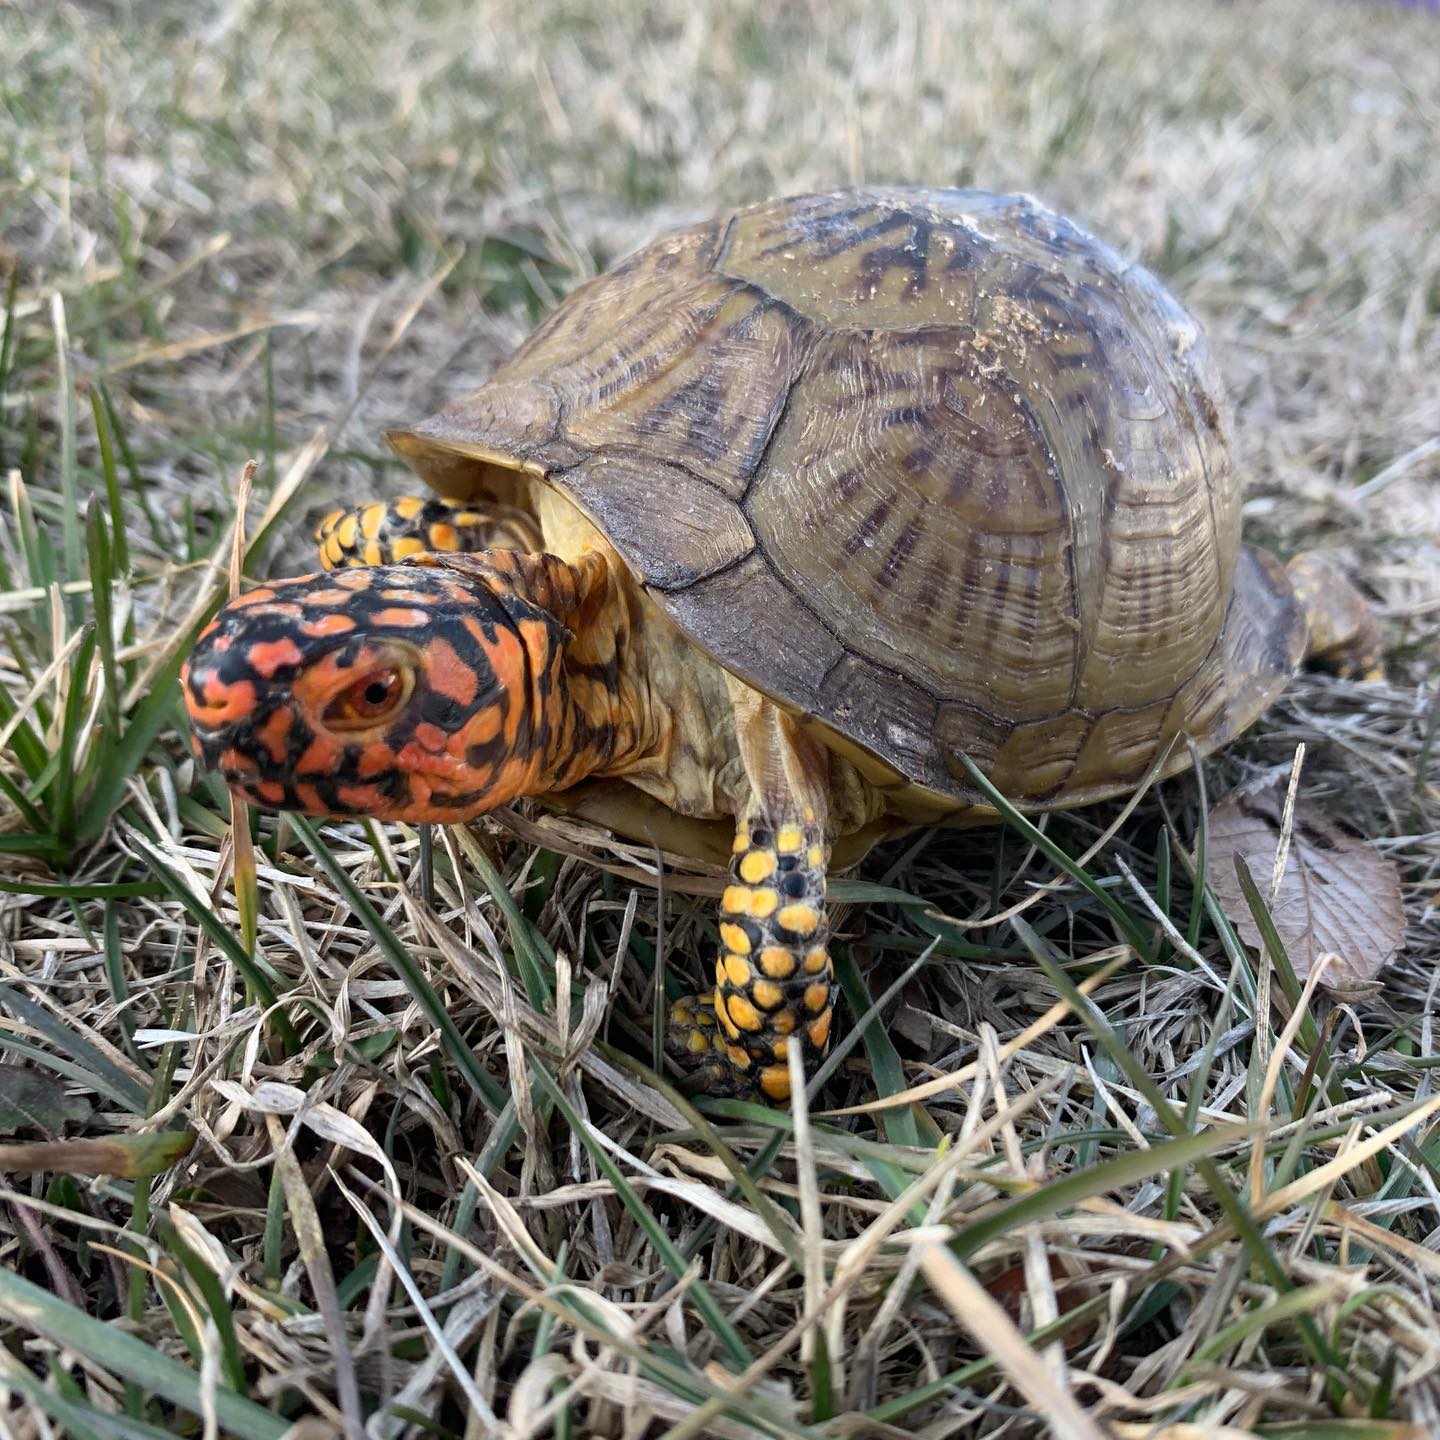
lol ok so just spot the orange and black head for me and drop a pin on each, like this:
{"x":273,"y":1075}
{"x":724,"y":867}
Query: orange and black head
{"x":398,"y":692}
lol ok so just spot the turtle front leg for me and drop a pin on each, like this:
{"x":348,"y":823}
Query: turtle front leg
{"x":1345,"y":632}
{"x":385,"y":532}
{"x":774,"y":982}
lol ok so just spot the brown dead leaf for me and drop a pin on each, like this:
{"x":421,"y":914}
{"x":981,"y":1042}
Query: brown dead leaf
{"x":1337,"y":895}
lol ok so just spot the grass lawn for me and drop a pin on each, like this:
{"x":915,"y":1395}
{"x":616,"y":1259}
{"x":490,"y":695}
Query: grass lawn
{"x":336,"y":1160}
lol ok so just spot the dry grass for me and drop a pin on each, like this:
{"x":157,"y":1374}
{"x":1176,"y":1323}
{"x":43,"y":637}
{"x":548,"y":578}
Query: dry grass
{"x":425,"y":1187}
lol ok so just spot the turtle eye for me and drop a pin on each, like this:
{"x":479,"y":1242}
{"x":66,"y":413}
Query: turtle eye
{"x":372,"y":698}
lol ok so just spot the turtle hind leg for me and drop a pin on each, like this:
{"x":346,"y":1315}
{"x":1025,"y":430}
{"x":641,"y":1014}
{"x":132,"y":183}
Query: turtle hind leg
{"x":1345,"y":634}
{"x":384,"y":532}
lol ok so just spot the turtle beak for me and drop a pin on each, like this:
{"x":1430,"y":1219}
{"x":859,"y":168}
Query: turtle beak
{"x":223,"y":702}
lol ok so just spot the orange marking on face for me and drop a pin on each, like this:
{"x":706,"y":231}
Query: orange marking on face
{"x":274,"y":732}
{"x":359,"y":797}
{"x":267,"y":656}
{"x":330,"y":597}
{"x":270,"y":791}
{"x":736,"y":899}
{"x":735,"y":938}
{"x":233,"y":762}
{"x":430,"y":737}
{"x":310,"y":801}
{"x":375,"y":759}
{"x":209,"y":630}
{"x":763,"y":903}
{"x":485,"y":726}
{"x":800,"y":918}
{"x":332,"y":624}
{"x":743,"y":1013}
{"x":222,"y":702}
{"x":258,"y":596}
{"x":448,"y":673}
{"x":758,"y":865}
{"x":726,"y":1023}
{"x":320,"y":757}
{"x":405,"y":616}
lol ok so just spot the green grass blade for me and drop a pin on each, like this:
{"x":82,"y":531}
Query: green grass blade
{"x":491,"y":1095}
{"x":111,"y":476}
{"x":1135,"y":931}
{"x":102,"y":590}
{"x":36,"y":1311}
{"x":705,"y":1303}
{"x":1114,"y":1045}
{"x":205,"y":1280}
{"x":25,"y":744}
{"x":65,"y":406}
{"x":257,"y":981}
{"x":138,"y":487}
{"x":901,"y":1126}
{"x":75,"y":1049}
{"x":146,"y":721}
{"x":84,"y":889}
{"x":76,"y":1414}
{"x":7,"y":346}
{"x":1275,"y":947}
{"x":1106,"y":1176}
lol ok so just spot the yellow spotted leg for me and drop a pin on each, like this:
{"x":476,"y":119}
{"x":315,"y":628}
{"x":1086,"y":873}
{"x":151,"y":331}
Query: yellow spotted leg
{"x":385,"y":532}
{"x":774,"y":983}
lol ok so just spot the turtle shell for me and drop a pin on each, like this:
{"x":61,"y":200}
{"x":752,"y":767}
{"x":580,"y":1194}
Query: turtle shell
{"x":935,"y":468}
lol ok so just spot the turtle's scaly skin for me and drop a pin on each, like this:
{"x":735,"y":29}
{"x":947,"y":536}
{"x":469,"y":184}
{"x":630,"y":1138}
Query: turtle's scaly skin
{"x":774,"y":982}
{"x":835,"y":490}
{"x":422,"y":692}
{"x":385,"y":532}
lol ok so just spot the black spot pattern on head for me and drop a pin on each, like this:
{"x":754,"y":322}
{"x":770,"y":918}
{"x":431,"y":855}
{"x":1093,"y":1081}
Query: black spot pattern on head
{"x":224,"y":660}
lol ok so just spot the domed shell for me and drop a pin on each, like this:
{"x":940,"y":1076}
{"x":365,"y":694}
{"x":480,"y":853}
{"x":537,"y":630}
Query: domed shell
{"x":934,"y":467}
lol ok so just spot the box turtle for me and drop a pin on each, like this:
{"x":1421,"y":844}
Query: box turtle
{"x":753,"y":538}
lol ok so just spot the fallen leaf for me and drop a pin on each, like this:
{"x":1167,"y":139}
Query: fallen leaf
{"x":1338,"y":894}
{"x":32,"y":1099}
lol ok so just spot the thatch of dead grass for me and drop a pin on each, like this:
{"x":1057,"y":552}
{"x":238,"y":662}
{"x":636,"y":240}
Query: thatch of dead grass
{"x":428,"y":1186}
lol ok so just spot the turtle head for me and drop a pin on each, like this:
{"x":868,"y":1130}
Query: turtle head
{"x":398,"y":692}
